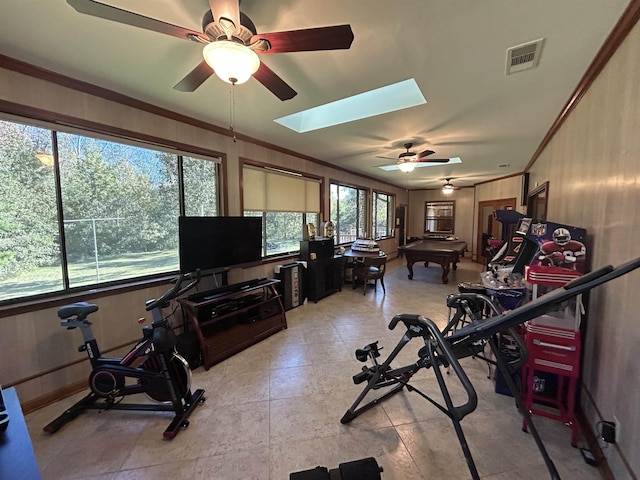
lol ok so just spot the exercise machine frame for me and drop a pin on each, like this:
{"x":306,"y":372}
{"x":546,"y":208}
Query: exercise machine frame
{"x":477,"y":322}
{"x":153,"y":363}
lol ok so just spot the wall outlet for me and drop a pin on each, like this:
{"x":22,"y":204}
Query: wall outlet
{"x":608,"y":432}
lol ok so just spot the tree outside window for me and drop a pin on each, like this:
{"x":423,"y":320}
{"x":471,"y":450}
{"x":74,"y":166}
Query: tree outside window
{"x":282,"y":231}
{"x":383,"y":215}
{"x":348,"y":212}
{"x":286,"y":201}
{"x":119,"y":216}
{"x":29,"y":231}
{"x":200,"y":187}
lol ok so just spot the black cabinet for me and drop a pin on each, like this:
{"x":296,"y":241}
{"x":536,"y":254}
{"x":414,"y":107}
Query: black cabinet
{"x":319,"y":249}
{"x":325,"y":271}
{"x":324,"y":277}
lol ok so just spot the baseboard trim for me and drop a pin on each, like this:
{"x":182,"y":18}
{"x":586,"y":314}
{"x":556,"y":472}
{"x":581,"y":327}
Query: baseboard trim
{"x":66,"y":365}
{"x":594,"y":444}
{"x":47,"y":399}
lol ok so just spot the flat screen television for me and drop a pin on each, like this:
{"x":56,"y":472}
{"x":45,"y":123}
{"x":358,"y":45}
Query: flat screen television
{"x":209,"y":243}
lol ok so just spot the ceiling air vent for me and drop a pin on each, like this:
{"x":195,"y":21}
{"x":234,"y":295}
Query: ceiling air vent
{"x":523,"y":57}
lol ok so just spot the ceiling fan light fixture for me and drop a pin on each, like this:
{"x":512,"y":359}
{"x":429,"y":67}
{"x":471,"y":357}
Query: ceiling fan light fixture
{"x":447,"y":189}
{"x":406,"y":167}
{"x":232,"y":62}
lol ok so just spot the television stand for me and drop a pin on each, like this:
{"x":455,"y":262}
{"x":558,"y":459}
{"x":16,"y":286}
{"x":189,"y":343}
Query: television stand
{"x":219,"y":292}
{"x":234,"y":317}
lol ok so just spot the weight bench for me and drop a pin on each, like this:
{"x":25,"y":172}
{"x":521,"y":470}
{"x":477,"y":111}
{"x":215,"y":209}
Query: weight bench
{"x":466,"y":335}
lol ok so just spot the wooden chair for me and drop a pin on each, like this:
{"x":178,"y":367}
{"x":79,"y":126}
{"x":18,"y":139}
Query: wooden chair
{"x":371,"y":268}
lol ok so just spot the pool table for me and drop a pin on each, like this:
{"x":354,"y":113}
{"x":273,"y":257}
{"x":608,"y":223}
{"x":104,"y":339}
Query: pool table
{"x":443,"y":252}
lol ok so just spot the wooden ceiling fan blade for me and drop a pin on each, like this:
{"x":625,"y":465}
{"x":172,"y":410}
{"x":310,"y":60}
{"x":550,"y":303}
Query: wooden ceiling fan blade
{"x":229,"y":9}
{"x":107,"y":12}
{"x":337,"y":37}
{"x":426,"y":153}
{"x":433,"y":160}
{"x":274,"y":83}
{"x":194,"y":78}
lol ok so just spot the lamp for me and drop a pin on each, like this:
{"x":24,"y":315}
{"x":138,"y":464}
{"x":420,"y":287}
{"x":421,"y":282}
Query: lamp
{"x":232,"y":62}
{"x":447,"y":189}
{"x":407,"y":167}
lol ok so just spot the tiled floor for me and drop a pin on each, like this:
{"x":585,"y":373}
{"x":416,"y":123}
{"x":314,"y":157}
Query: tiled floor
{"x":275,"y":408}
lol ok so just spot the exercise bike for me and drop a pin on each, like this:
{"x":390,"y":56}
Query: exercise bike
{"x":152,"y":367}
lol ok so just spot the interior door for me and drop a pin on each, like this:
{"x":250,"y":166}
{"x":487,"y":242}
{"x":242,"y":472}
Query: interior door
{"x":488,"y":226}
{"x":401,"y":221}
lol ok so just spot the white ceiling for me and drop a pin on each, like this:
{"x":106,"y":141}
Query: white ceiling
{"x":454,"y":49}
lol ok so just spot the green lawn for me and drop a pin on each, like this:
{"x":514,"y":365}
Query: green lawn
{"x":110,"y":268}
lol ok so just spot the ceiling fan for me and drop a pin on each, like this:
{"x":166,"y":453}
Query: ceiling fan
{"x":231,"y":43}
{"x":448,"y":187}
{"x":406,"y":161}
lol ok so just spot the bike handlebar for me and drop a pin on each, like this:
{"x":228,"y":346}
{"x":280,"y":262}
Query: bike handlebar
{"x":175,"y":291}
{"x":408,"y":320}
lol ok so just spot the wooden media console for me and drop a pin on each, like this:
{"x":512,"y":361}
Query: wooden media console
{"x":228,"y":320}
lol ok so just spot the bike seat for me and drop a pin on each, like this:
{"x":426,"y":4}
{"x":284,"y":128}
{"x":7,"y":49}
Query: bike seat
{"x":79,"y":309}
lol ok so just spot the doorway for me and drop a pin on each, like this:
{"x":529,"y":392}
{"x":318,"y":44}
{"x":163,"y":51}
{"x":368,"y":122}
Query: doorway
{"x":537,"y":202}
{"x":401,"y":222}
{"x":488,"y":226}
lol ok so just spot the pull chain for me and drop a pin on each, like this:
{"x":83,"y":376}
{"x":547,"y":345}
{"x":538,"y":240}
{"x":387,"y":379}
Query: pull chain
{"x":232,"y":111}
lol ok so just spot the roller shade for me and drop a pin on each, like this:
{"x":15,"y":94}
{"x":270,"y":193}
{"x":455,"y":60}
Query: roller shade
{"x":270,"y":191}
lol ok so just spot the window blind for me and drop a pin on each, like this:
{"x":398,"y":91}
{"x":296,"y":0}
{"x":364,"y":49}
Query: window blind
{"x":266,"y":190}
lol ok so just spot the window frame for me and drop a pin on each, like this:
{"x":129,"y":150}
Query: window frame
{"x":439,"y":218}
{"x":390,"y":221}
{"x":365,"y":221}
{"x":48,"y":121}
{"x":245,"y":162}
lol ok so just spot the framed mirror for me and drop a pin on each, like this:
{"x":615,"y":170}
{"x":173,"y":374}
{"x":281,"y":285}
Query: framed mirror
{"x":537,"y":202}
{"x":439,"y":217}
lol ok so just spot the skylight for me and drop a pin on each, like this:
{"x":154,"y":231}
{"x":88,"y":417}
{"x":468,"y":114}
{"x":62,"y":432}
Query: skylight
{"x":393,"y":97}
{"x":423,"y":164}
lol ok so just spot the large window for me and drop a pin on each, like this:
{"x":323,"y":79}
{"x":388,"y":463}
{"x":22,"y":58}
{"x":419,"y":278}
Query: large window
{"x":383,"y":215}
{"x":282,"y":231}
{"x":200,"y":180}
{"x":439,"y":217}
{"x":78,"y":211}
{"x":348,"y":212}
{"x":286,"y":201}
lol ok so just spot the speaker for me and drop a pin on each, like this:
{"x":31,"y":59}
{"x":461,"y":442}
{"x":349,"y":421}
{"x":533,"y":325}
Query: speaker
{"x":524,"y":194}
{"x":292,"y":285}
